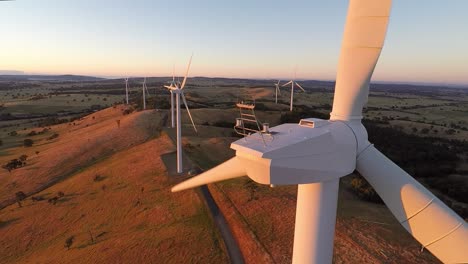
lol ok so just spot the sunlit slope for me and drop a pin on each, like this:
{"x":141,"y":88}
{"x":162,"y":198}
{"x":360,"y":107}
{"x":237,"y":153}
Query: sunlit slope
{"x":79,"y":143}
{"x":118,"y":210}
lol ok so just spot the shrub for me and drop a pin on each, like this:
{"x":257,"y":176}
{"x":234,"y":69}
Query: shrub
{"x":20,"y":196}
{"x":98,"y":178}
{"x":364,"y":190}
{"x":23,"y":157}
{"x":28,"y":142}
{"x":53,"y":200}
{"x":53,"y":136}
{"x":69,"y":242}
{"x":13,"y":164}
{"x":37,"y":198}
{"x":128,"y":111}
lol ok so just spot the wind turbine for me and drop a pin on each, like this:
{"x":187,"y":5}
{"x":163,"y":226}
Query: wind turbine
{"x":170,"y":87}
{"x":315,"y":153}
{"x":293,"y":82}
{"x":178,"y":90}
{"x":126,"y":89}
{"x":277,"y":91}
{"x":145,"y":89}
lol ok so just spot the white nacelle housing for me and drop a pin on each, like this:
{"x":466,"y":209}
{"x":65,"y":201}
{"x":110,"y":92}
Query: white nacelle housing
{"x":314,"y":150}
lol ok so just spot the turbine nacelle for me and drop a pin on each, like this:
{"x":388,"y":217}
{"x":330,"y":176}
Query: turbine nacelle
{"x":174,"y":89}
{"x":312,"y":151}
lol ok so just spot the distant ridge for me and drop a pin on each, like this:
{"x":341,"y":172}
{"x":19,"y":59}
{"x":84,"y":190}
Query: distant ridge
{"x":61,"y":78}
{"x":11,"y":72}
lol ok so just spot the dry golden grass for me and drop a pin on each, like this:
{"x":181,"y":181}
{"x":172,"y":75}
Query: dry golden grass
{"x":127,"y":215}
{"x":78,"y":145}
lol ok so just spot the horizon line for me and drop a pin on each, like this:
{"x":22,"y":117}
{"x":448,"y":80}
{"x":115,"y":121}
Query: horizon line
{"x":110,"y":77}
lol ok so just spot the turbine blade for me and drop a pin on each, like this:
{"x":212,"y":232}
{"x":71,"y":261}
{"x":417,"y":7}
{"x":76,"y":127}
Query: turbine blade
{"x":227,"y":170}
{"x":300,"y":86}
{"x":422,"y":214}
{"x":287,"y":83}
{"x":188,"y":111}
{"x":186,"y":73}
{"x":278,"y":90}
{"x":363,"y":39}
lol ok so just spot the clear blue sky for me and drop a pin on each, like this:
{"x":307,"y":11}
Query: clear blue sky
{"x":427,"y":40}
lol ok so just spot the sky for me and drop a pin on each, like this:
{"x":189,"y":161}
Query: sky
{"x":427,"y":40}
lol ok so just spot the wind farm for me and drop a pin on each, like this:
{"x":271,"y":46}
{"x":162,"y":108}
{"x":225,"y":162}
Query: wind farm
{"x":351,"y":169}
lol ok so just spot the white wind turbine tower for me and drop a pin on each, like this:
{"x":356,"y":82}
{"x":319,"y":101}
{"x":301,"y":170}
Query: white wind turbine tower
{"x":144,"y":89}
{"x":172,"y":85}
{"x":315,"y":153}
{"x":178,"y":90}
{"x":126,"y":89}
{"x":293,"y":83}
{"x":277,"y":91}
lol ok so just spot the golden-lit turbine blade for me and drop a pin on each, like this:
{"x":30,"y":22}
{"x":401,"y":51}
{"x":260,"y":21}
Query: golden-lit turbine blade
{"x":287,"y":83}
{"x":186,"y":73}
{"x":278,"y":89}
{"x":300,"y":86}
{"x":363,"y":39}
{"x":227,"y":170}
{"x":188,"y":111}
{"x":423,"y":215}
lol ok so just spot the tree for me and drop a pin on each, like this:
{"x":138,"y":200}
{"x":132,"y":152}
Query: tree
{"x":69,"y":242}
{"x":28,"y":142}
{"x":13,"y":164}
{"x":20,"y":196}
{"x":364,"y":190}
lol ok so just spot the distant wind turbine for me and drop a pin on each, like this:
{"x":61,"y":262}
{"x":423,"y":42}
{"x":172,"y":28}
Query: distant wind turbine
{"x":277,"y":91}
{"x":126,"y":89}
{"x":178,"y":90}
{"x":172,"y":85}
{"x":144,"y":90}
{"x":293,"y":83}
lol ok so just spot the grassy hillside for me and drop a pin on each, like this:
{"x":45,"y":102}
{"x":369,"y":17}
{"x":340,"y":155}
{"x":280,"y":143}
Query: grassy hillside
{"x":113,"y":199}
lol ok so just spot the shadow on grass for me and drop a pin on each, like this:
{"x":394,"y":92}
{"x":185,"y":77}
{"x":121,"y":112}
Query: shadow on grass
{"x":4,"y":224}
{"x":93,"y":240}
